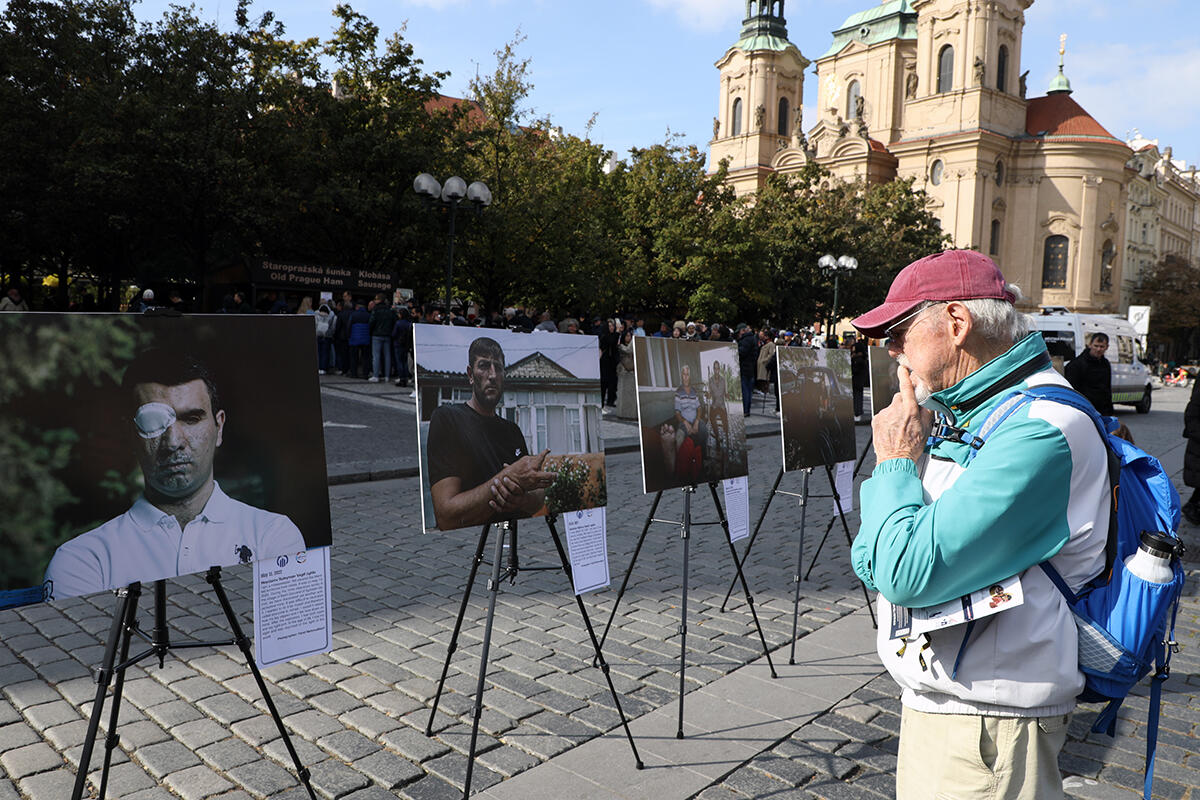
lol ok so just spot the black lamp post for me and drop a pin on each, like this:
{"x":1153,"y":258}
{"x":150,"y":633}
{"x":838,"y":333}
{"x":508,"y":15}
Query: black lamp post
{"x":450,"y":195}
{"x":836,"y":265}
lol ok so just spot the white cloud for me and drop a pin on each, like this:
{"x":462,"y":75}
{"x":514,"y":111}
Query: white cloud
{"x":704,"y":15}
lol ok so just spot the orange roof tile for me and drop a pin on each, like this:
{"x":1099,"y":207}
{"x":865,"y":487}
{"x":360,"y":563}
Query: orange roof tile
{"x":1058,"y":115}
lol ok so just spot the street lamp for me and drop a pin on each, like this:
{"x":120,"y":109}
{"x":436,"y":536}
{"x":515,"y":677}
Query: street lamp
{"x":450,"y":195}
{"x":836,"y":265}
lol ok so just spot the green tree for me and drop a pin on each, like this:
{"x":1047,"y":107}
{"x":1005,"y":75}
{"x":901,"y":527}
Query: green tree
{"x":801,"y":217}
{"x":685,"y":245}
{"x":1172,"y":291}
{"x":544,"y":240}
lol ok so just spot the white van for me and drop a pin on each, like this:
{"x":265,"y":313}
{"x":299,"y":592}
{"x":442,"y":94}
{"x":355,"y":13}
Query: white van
{"x":1067,"y":335}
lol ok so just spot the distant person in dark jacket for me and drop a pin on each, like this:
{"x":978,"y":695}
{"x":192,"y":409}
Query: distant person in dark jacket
{"x":1090,"y":374}
{"x":360,"y":341}
{"x":1191,"y":455}
{"x":383,"y":319}
{"x":748,"y":362}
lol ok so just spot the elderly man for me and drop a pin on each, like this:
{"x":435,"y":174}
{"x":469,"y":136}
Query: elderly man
{"x":183,"y":522}
{"x":985,"y":705}
{"x":480,"y":469}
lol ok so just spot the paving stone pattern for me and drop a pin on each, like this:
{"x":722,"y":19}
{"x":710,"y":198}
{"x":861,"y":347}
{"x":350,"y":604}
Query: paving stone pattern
{"x":197,"y":727}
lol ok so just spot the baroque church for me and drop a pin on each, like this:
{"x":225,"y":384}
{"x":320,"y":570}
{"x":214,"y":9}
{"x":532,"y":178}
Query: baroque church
{"x":933,"y":90}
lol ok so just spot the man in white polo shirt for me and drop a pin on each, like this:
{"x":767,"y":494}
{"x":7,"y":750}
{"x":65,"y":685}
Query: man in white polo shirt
{"x":183,"y":522}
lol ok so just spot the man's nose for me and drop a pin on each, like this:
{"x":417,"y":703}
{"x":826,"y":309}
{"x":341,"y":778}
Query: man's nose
{"x":172,"y":437}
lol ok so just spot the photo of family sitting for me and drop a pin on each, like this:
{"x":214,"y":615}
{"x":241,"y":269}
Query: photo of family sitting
{"x":689,"y":412}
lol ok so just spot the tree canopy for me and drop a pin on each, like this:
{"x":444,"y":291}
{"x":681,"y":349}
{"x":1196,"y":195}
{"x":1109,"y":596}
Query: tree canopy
{"x":172,"y":153}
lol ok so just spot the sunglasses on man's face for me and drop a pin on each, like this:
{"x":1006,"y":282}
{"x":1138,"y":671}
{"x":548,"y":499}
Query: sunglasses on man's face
{"x":895,"y":332}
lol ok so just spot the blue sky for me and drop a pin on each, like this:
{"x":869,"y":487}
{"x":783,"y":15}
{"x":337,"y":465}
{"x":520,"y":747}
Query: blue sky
{"x":645,"y":67}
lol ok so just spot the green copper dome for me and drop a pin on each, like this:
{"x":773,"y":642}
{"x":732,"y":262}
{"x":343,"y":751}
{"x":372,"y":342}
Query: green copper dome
{"x":1059,"y":84}
{"x":893,"y":19}
{"x":764,"y":27}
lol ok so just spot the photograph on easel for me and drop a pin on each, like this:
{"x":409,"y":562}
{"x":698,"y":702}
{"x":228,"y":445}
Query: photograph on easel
{"x":508,"y":424}
{"x":144,"y":447}
{"x":689,"y":398}
{"x":817,"y":405}
{"x":884,"y":383}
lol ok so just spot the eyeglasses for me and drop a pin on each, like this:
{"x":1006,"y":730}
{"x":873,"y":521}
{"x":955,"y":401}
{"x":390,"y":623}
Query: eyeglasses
{"x":895,"y":332}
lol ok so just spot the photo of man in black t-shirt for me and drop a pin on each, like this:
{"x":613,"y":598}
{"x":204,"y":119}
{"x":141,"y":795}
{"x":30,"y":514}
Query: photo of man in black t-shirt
{"x":480,"y":469}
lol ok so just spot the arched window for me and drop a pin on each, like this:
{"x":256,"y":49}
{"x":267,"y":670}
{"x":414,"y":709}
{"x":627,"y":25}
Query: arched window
{"x":1054,"y":263}
{"x":994,"y":244}
{"x":853,"y":92}
{"x":737,"y":117}
{"x":945,"y":69}
{"x":781,"y":126}
{"x":999,"y":173}
{"x":1002,"y":67}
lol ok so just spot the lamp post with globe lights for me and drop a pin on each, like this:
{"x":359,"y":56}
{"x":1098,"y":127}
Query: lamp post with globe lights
{"x":449,"y":196}
{"x":836,"y":266}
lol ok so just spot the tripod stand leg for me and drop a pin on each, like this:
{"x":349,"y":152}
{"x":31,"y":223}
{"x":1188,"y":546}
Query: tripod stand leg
{"x":587,"y":623}
{"x":239,"y":638}
{"x":753,"y":536}
{"x":118,"y":634}
{"x":625,"y":581}
{"x":812,"y":562}
{"x":462,"y":610}
{"x":113,"y":740}
{"x":741,"y":576}
{"x":686,"y":535}
{"x":837,"y":498}
{"x":493,"y":588}
{"x":799,"y":566}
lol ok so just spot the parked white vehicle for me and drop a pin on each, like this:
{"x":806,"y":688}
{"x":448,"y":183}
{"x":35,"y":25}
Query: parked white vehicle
{"x":1067,"y":333}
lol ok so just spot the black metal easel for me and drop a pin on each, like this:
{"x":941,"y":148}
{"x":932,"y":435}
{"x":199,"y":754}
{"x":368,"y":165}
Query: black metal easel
{"x":685,"y":533}
{"x":509,"y":571}
{"x":124,"y":628}
{"x":804,"y":497}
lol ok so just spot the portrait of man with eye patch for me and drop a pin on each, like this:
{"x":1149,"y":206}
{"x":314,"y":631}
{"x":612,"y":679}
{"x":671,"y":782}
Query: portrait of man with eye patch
{"x":183,"y":522}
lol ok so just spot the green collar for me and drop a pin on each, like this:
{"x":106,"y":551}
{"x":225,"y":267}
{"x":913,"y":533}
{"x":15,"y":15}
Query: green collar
{"x":1002,"y":372}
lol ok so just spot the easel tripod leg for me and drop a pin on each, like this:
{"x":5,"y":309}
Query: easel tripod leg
{"x":239,"y":638}
{"x":837,"y":498}
{"x":625,"y":581}
{"x":685,"y":534}
{"x":493,"y":588}
{"x":122,"y":623}
{"x":113,"y":739}
{"x":462,"y":610}
{"x":741,"y":576}
{"x":750,"y":543}
{"x":799,"y":566}
{"x":587,"y":623}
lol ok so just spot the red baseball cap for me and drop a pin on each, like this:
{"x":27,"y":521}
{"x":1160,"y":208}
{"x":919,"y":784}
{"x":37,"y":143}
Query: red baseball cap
{"x":949,"y":275}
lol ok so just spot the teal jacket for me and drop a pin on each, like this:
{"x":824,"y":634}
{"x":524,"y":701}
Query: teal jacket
{"x":1038,"y":490}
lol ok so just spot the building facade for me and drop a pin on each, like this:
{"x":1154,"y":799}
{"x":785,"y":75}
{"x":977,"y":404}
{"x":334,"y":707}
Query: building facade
{"x":932,"y":90}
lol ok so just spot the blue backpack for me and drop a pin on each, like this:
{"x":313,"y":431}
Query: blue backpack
{"x":1126,"y":625}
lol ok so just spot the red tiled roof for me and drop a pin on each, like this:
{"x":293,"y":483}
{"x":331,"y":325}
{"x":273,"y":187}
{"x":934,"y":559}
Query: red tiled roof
{"x":877,"y":146}
{"x":445,"y":103}
{"x":1058,"y":115}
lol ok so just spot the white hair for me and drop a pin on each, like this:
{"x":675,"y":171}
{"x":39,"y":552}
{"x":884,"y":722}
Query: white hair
{"x":998,"y":320}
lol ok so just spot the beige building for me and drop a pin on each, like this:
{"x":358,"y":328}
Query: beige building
{"x":932,"y":90}
{"x":1163,"y":214}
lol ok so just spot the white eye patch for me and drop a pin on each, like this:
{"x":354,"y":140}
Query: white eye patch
{"x":153,"y":419}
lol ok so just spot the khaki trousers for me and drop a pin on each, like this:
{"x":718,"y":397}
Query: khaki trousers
{"x":968,"y":757}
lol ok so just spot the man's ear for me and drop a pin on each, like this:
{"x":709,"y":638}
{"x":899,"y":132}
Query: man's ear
{"x":219,"y":418}
{"x":960,"y":321}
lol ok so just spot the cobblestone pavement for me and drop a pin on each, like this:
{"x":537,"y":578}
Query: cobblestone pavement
{"x":196,"y":727}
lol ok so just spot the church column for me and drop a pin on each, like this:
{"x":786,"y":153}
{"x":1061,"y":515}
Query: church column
{"x":1085,"y":264}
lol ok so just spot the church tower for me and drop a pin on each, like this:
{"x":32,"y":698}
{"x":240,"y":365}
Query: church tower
{"x":762,"y":87}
